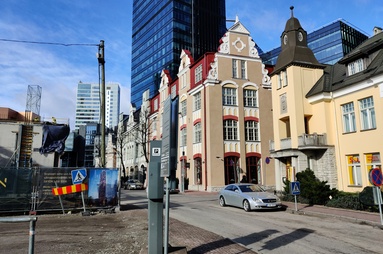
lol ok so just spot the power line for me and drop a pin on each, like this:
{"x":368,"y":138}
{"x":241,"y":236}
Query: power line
{"x":51,"y":43}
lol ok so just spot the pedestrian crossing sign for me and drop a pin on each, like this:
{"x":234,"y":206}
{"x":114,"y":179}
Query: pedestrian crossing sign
{"x":78,"y":176}
{"x":295,"y":188}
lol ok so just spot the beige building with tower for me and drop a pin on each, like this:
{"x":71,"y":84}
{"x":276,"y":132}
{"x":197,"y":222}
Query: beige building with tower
{"x":225,"y":117}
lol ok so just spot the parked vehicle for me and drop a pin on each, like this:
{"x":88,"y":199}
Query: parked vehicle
{"x":133,"y":184}
{"x":248,"y":196}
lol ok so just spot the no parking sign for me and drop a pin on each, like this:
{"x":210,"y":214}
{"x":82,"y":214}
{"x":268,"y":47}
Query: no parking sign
{"x":376,"y":177}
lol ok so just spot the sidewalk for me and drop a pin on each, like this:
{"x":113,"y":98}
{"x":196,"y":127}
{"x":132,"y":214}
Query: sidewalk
{"x":350,"y":215}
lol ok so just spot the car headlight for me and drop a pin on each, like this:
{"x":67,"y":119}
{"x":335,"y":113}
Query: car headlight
{"x":257,"y":200}
{"x":278,"y":199}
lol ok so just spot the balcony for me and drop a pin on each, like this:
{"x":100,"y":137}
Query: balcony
{"x":312,"y":141}
{"x":305,"y":142}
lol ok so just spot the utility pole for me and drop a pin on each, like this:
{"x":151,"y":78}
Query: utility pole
{"x":101,"y":62}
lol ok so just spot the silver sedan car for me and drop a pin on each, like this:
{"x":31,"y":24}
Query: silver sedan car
{"x":248,"y":196}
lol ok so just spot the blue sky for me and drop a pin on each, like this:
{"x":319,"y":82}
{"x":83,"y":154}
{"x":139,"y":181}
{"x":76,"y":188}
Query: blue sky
{"x":58,"y":69}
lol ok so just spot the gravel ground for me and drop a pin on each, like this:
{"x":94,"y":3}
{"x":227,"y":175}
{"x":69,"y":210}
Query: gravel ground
{"x":120,"y":232}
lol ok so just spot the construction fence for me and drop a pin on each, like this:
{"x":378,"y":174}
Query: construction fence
{"x":24,"y":190}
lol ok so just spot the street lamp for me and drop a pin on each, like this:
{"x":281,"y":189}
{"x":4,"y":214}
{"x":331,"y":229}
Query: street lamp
{"x":182,"y":189}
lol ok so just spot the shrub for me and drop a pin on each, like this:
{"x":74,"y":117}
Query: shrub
{"x":312,"y":190}
{"x":346,"y":201}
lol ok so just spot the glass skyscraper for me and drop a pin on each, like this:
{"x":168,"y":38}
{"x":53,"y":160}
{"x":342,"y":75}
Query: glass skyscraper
{"x":162,"y":29}
{"x":329,"y":43}
{"x":89,"y":100}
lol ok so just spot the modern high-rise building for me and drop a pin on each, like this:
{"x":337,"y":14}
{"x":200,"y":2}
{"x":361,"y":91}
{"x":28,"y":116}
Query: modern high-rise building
{"x":89,"y":100}
{"x":329,"y":43}
{"x":162,"y":29}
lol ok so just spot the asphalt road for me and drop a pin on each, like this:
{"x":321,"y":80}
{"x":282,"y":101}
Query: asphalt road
{"x":271,"y":231}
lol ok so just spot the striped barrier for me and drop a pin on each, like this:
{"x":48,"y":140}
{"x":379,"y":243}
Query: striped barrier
{"x":69,"y":189}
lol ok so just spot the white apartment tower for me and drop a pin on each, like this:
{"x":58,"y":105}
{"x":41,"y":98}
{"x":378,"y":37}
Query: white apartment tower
{"x":88,"y":104}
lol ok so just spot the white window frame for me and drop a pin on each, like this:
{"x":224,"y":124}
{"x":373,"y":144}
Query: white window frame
{"x":251,"y":131}
{"x":243,"y":69}
{"x":197,"y":101}
{"x":183,"y":137}
{"x":348,"y":117}
{"x":367,"y":113}
{"x":250,"y":98}
{"x":197,"y":133}
{"x":198,"y":73}
{"x":183,"y":107}
{"x":353,"y":164}
{"x":374,"y":162}
{"x":230,"y":130}
{"x":235,"y":68}
{"x":229,"y":96}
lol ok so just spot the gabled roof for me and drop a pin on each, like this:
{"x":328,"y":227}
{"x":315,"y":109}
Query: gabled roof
{"x":238,"y":27}
{"x":335,"y":76}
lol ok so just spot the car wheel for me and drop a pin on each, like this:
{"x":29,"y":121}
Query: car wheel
{"x":246,"y":205}
{"x":222,"y":201}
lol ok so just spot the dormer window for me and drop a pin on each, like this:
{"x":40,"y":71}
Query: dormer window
{"x":355,"y":67}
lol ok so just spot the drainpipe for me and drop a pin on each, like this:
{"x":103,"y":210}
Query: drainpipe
{"x":204,"y":122}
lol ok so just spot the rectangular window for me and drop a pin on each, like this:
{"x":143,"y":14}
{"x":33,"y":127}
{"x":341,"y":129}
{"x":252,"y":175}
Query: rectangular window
{"x":198,"y":73}
{"x":183,"y":108}
{"x":355,"y":174}
{"x":197,"y":133}
{"x":250,"y":98}
{"x":230,"y":131}
{"x":348,"y":114}
{"x":197,"y":101}
{"x":183,"y":137}
{"x":359,"y":65}
{"x":280,"y":80}
{"x":229,"y":96}
{"x":155,"y":104}
{"x":355,"y":67}
{"x":367,"y":113}
{"x":351,"y":69}
{"x":243,"y":69}
{"x":285,"y":79}
{"x":235,"y":68}
{"x":372,"y":161}
{"x":251,"y":131}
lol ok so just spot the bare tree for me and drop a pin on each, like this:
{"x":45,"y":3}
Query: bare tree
{"x":122,"y":139}
{"x":135,"y":135}
{"x":144,"y":133}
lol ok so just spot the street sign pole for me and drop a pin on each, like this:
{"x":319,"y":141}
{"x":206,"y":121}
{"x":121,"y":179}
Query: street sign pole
{"x":379,"y":197}
{"x":295,"y":189}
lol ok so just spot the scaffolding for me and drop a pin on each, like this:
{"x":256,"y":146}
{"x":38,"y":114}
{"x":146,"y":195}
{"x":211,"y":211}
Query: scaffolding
{"x":33,"y":102}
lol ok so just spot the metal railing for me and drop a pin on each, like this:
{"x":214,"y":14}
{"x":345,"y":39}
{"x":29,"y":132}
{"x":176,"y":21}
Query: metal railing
{"x":32,"y":225}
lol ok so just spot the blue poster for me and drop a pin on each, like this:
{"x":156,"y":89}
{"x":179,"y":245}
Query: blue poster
{"x":103,"y":187}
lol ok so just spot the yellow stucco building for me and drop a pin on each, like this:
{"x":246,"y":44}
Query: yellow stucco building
{"x":327,"y":117}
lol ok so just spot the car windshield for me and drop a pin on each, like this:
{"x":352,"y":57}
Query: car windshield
{"x":250,"y":188}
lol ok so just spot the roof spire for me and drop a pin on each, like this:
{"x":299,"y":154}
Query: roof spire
{"x":292,"y":11}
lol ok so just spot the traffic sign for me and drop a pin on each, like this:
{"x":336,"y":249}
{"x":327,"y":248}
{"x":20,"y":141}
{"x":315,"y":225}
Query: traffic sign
{"x":295,"y":188}
{"x":78,"y":175}
{"x":376,"y":176}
